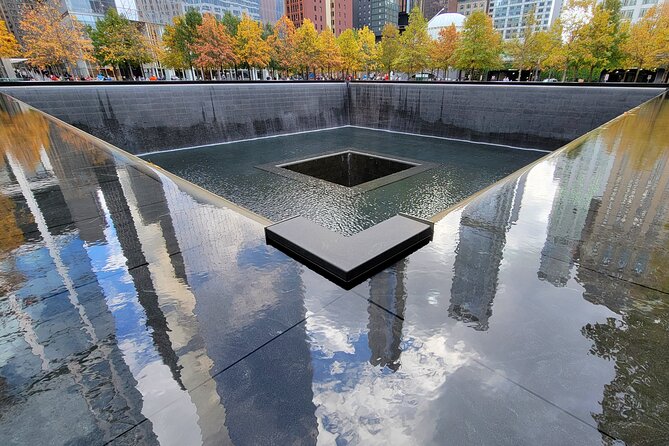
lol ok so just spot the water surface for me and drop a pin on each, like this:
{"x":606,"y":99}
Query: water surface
{"x":230,"y":170}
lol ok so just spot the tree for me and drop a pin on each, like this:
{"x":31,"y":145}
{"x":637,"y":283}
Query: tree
{"x":231,"y":22}
{"x":444,"y":47}
{"x":367,"y":41}
{"x":389,"y":48}
{"x":282,"y":44}
{"x":306,"y":48}
{"x":116,"y":40}
{"x":213,"y":46}
{"x":178,"y":39}
{"x":328,"y":51}
{"x":597,"y":40}
{"x":576,"y":15}
{"x":51,"y":41}
{"x":620,"y":32}
{"x":350,"y":51}
{"x":480,"y":46}
{"x":9,"y":47}
{"x":415,"y":42}
{"x":250,"y":48}
{"x":648,"y":43}
{"x":525,"y":51}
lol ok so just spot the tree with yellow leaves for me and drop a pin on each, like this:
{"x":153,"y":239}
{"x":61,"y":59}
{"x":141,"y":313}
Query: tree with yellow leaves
{"x":350,"y":51}
{"x":9,"y":47}
{"x":648,"y":42}
{"x":444,"y":47}
{"x":250,"y":48}
{"x":389,"y":48}
{"x":282,"y":44}
{"x":213,"y":46}
{"x":480,"y":46}
{"x":367,"y":42}
{"x":53,"y":42}
{"x":328,"y":51}
{"x":306,"y":47}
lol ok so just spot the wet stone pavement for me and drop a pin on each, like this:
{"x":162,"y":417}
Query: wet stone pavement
{"x":137,"y":309}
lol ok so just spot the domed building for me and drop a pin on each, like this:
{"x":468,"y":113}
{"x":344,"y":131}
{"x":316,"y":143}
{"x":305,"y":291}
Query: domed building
{"x":444,"y":20}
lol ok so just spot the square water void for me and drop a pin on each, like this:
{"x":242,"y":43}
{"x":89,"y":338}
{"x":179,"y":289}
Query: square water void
{"x":357,"y":170}
{"x":348,"y":168}
{"x":267,"y":176}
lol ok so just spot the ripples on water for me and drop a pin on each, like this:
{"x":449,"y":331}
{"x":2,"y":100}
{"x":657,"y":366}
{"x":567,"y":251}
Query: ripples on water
{"x":229,"y":170}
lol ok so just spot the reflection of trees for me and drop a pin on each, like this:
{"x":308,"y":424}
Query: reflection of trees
{"x":23,"y":134}
{"x":11,"y":236}
{"x":635,"y":405}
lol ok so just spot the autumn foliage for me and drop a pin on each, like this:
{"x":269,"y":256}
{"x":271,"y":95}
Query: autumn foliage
{"x":52,"y":41}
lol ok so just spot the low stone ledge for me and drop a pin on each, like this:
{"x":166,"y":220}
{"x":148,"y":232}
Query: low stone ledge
{"x":348,"y":261}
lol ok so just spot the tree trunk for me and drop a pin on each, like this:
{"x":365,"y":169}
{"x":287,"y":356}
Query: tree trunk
{"x":520,"y":75}
{"x":592,"y":68}
{"x":636,"y":76}
{"x":564,"y":73}
{"x":130,"y":75}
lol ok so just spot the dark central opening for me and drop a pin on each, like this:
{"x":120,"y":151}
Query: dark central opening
{"x":348,"y":168}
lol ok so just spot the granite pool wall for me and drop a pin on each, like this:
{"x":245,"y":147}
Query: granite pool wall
{"x":140,"y":117}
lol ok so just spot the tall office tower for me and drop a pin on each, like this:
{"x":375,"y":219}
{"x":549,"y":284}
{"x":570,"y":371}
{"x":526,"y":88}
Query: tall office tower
{"x":466,"y":7}
{"x":10,"y":12}
{"x":271,"y":10}
{"x":375,"y":14}
{"x":508,"y":15}
{"x":433,"y":7}
{"x":633,"y":10}
{"x":219,"y":7}
{"x":159,"y":12}
{"x":336,"y":14}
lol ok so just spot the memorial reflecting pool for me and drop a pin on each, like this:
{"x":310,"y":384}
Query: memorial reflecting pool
{"x":139,"y":309}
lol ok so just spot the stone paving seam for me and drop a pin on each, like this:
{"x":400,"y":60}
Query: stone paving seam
{"x":212,"y":377}
{"x":544,"y":399}
{"x":378,"y":305}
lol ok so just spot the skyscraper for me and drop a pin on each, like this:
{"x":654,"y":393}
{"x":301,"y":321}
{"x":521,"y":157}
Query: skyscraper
{"x":508,"y":15}
{"x":375,"y":14}
{"x":335,"y":14}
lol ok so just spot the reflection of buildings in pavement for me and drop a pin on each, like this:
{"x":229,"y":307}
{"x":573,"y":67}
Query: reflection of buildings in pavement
{"x":625,"y":235}
{"x":243,"y":289}
{"x":387,"y":291}
{"x":68,"y":330}
{"x":629,"y":224}
{"x":483,"y":228}
{"x":581,"y":175}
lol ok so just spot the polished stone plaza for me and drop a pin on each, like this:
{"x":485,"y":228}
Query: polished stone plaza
{"x":138,"y":308}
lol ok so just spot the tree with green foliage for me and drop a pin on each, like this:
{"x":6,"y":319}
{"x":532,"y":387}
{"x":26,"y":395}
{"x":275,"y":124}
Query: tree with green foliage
{"x":389,"y":48}
{"x":231,"y":22}
{"x":525,"y":51}
{"x":415,"y":42}
{"x":117,"y":41}
{"x":480,"y":46}
{"x":178,"y":40}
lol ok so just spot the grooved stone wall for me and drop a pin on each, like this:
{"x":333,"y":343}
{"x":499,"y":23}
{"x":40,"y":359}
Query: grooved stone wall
{"x":144,"y":118}
{"x":148,"y":117}
{"x":534,"y":116}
